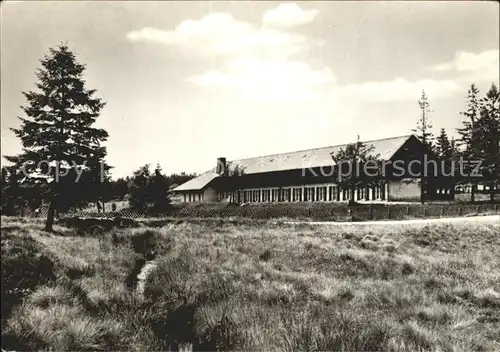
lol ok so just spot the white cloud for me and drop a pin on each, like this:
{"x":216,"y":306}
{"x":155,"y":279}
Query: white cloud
{"x":484,"y":65}
{"x":465,"y":61}
{"x":289,"y":15}
{"x":398,"y":89}
{"x":222,"y":34}
{"x":258,"y":60}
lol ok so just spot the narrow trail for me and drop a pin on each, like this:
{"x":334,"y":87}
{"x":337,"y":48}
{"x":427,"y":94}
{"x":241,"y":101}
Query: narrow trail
{"x":482,"y":219}
{"x":143,"y":275}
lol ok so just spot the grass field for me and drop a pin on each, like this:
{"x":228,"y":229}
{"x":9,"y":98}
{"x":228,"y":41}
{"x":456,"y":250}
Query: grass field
{"x":250,"y":287}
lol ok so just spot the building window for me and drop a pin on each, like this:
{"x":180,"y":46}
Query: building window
{"x":309,"y":194}
{"x":275,"y":195}
{"x":255,"y":196}
{"x":297,"y":193}
{"x":361,"y":193}
{"x":248,"y":196}
{"x":321,"y":194}
{"x":286,"y":194}
{"x":333,"y":193}
{"x":346,"y":194}
{"x":265,"y":195}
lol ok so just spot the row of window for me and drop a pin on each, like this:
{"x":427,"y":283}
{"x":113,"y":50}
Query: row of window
{"x":193,"y":197}
{"x":303,"y":194}
{"x":443,"y":190}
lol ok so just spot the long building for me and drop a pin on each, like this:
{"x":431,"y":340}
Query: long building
{"x":307,"y":175}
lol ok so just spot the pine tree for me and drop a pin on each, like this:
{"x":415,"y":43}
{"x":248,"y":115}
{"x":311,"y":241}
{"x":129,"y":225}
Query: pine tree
{"x":159,"y":196}
{"x":149,"y":191}
{"x":138,"y":188}
{"x":58,"y":130}
{"x":423,"y":129}
{"x":443,"y":146}
{"x":488,"y":127}
{"x":120,"y":188}
{"x":11,"y":191}
{"x":469,"y":133}
{"x":3,"y":193}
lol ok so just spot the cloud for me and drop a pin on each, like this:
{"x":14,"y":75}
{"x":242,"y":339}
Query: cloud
{"x":221,"y":34}
{"x":260,"y":63}
{"x":289,"y":15}
{"x":473,"y":66}
{"x":398,"y":89}
{"x":278,"y":80}
{"x":465,"y":61}
{"x":258,"y":60}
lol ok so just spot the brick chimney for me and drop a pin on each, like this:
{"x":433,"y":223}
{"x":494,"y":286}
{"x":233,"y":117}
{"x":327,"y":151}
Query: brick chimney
{"x":221,"y":168}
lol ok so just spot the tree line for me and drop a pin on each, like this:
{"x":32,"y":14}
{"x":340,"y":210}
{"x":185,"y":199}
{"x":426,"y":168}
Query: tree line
{"x":479,"y":136}
{"x":144,"y":191}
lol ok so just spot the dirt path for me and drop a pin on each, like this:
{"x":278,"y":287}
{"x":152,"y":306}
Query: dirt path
{"x":484,"y":219}
{"x":143,"y":275}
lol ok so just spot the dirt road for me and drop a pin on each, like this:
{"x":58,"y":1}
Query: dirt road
{"x":485,"y":219}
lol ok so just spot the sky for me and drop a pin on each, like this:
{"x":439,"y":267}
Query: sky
{"x":188,"y":82}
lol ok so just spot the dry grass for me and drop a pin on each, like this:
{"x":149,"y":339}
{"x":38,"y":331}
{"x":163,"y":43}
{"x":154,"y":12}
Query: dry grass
{"x":274,"y":287}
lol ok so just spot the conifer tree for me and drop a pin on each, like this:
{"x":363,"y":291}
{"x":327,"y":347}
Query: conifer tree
{"x":57,"y":133}
{"x":138,"y":188}
{"x":443,"y":145}
{"x":4,"y":184}
{"x":469,"y":133}
{"x":423,"y":129}
{"x":149,"y":191}
{"x":120,"y":188}
{"x":159,"y":196}
{"x":11,"y":191}
{"x":488,"y":127}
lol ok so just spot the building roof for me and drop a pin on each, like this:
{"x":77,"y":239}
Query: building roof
{"x":199,"y":182}
{"x":318,"y":157}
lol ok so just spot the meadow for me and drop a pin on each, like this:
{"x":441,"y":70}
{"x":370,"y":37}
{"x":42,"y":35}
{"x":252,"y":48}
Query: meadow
{"x":277,"y":287}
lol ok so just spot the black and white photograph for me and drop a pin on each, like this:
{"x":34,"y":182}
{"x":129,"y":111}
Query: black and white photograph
{"x":250,"y":176}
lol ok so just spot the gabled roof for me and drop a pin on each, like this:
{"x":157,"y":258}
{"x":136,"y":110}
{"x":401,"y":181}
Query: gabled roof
{"x":197,"y":183}
{"x":318,"y":157}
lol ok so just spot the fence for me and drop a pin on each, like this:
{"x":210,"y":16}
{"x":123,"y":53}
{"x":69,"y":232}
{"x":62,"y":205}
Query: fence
{"x":315,"y":212}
